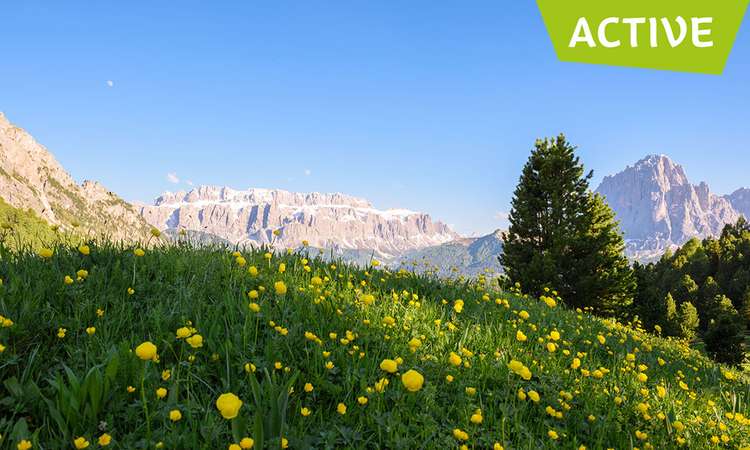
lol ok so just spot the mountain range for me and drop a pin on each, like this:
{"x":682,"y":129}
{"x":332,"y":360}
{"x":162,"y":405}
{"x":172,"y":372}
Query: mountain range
{"x":655,"y":202}
{"x":286,"y":219}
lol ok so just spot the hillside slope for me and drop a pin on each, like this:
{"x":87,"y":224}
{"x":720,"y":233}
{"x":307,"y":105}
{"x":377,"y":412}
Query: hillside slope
{"x":31,"y":178}
{"x":200,"y":349}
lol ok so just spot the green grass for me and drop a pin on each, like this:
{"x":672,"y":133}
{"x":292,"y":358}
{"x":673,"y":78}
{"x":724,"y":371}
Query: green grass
{"x":57,"y":389}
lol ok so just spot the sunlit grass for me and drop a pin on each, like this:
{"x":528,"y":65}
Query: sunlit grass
{"x":315,"y":340}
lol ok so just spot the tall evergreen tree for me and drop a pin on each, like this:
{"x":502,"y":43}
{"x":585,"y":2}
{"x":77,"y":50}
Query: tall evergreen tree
{"x":563,"y":236}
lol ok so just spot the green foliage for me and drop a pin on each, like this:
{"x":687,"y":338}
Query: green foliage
{"x":564,"y":237}
{"x":688,"y":321}
{"x":713,"y":275}
{"x":20,"y":228}
{"x":725,"y":336}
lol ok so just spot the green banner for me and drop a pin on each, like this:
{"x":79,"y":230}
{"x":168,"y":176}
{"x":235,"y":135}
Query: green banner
{"x":679,"y":35}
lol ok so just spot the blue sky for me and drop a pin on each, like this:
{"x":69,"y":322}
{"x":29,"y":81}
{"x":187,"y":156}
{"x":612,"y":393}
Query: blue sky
{"x":430,"y":106}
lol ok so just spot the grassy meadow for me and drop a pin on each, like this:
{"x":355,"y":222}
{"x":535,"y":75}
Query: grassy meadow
{"x":179,"y":347}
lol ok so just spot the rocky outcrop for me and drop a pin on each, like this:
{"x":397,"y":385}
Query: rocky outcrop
{"x":31,"y":178}
{"x":658,"y":208}
{"x":323,"y":220}
{"x":740,"y":200}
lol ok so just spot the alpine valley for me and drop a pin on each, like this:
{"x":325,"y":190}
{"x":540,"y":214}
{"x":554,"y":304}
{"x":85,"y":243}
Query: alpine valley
{"x":656,"y":204}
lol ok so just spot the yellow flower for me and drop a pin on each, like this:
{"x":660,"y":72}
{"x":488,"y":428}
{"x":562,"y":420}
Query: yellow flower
{"x":460,"y":435}
{"x":534,"y":396}
{"x":24,"y":445}
{"x":553,"y":435}
{"x":476,"y":418}
{"x":183,"y":333}
{"x":146,"y":351}
{"x":602,"y":340}
{"x":524,"y":315}
{"x":362,"y":400}
{"x":454,"y":359}
{"x":554,"y":335}
{"x":389,"y":366}
{"x":640,"y":435}
{"x":175,"y":415}
{"x":341,"y":408}
{"x":254,"y":307}
{"x":68,"y":280}
{"x":165,"y":374}
{"x":551,"y":347}
{"x":104,"y":440}
{"x":195,"y":341}
{"x":161,"y":392}
{"x":90,"y":331}
{"x":280,"y":287}
{"x":305,"y":411}
{"x":234,"y":447}
{"x":519,"y":369}
{"x":81,"y":442}
{"x":139,"y":252}
{"x":240,"y":261}
{"x":61,"y":332}
{"x":155,"y":232}
{"x":131,"y":389}
{"x":520,"y":336}
{"x":575,"y":364}
{"x":247,"y":443}
{"x":308,"y":387}
{"x":228,"y":405}
{"x":46,"y":253}
{"x":368,"y":299}
{"x":661,"y":391}
{"x":253,"y":271}
{"x":412,"y":380}
{"x":642,"y":377}
{"x":284,"y":443}
{"x":458,"y":305}
{"x":497,"y":446}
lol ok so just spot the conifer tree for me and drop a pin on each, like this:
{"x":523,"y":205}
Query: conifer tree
{"x":563,"y":236}
{"x":725,"y":337}
{"x":688,"y":321}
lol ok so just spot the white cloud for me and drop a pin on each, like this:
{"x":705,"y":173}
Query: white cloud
{"x":308,"y":172}
{"x":110,"y":83}
{"x":172,"y":178}
{"x":189,"y":182}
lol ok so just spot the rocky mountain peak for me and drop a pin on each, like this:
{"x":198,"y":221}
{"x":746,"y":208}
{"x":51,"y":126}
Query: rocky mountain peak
{"x":31,"y":178}
{"x":658,"y":207}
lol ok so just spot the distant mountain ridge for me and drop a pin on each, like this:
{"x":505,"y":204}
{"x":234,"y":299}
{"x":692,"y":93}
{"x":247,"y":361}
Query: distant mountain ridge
{"x":332,"y":220}
{"x":32,"y":179}
{"x":659,"y":208}
{"x":465,"y":256}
